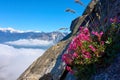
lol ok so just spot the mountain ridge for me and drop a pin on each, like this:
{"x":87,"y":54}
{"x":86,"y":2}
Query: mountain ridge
{"x":10,"y":34}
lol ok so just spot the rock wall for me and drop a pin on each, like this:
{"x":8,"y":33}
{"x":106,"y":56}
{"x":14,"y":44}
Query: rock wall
{"x":49,"y":66}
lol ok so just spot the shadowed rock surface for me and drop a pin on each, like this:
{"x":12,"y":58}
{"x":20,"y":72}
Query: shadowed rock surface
{"x":50,"y":66}
{"x":111,"y":73}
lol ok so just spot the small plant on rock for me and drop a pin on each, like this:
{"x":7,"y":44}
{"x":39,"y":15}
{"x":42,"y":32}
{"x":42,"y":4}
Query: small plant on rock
{"x":88,"y":49}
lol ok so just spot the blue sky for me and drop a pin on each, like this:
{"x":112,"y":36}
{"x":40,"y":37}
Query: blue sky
{"x":39,"y":15}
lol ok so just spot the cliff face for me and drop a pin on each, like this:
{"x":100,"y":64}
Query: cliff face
{"x":50,"y":66}
{"x":46,"y":63}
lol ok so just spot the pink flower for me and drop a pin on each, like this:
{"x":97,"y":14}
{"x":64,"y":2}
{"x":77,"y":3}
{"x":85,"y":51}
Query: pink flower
{"x":84,"y":34}
{"x":102,"y":42}
{"x":72,"y":46}
{"x":99,"y":35}
{"x":92,"y":48}
{"x":83,"y":50}
{"x":69,"y":69}
{"x":75,"y":55}
{"x":86,"y":31}
{"x":67,"y":58}
{"x":114,"y":20}
{"x":81,"y":28}
{"x":95,"y":33}
{"x":77,"y":41}
{"x":83,"y":37}
{"x":86,"y":55}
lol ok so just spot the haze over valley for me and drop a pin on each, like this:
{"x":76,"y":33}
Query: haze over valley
{"x":18,"y":49}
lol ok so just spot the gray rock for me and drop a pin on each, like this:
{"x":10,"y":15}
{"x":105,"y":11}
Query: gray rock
{"x":49,"y":65}
{"x":111,"y":73}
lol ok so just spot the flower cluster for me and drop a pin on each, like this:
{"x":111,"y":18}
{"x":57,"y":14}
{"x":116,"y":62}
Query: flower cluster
{"x":92,"y":50}
{"x":84,"y":49}
{"x":115,"y":20}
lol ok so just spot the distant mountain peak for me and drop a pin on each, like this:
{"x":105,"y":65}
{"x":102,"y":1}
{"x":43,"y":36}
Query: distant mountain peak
{"x":10,"y":34}
{"x":12,"y":30}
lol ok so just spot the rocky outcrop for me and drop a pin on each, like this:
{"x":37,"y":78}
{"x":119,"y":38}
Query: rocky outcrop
{"x":50,"y":66}
{"x":46,"y":63}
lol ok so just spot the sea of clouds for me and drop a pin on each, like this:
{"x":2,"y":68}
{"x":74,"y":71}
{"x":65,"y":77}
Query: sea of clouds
{"x":14,"y":61}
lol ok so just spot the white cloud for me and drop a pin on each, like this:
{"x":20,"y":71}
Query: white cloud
{"x":30,"y":42}
{"x":14,"y":61}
